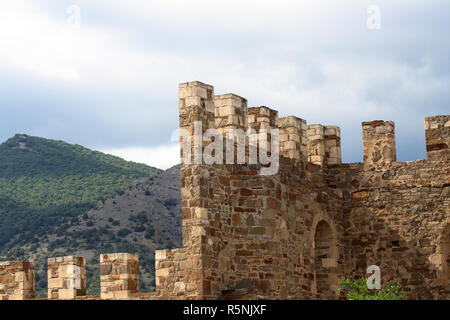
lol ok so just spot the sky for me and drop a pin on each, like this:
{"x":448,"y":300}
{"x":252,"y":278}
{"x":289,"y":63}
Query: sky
{"x":104,"y":73}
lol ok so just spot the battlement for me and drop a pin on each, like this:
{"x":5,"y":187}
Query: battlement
{"x":318,"y":144}
{"x":66,"y":278}
{"x":378,"y":143}
{"x":231,"y":112}
{"x":16,"y":280}
{"x":324,"y":144}
{"x":437,"y":137}
{"x":262,"y":118}
{"x":196,"y":104}
{"x":293,"y":139}
{"x":119,"y":278}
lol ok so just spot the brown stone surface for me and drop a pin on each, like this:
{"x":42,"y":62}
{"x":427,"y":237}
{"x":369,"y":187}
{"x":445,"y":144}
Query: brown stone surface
{"x":119,"y":276}
{"x":295,"y":234}
{"x":16,"y":280}
{"x":66,"y":278}
{"x":437,"y":136}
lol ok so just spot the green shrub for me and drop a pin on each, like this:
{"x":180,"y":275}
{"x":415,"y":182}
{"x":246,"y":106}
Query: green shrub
{"x":123,"y":232}
{"x":142,"y":217}
{"x":139,"y":229}
{"x":170,"y":203}
{"x":357,"y":290}
{"x":150,"y":232}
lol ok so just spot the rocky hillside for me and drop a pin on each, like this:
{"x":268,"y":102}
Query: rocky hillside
{"x":145,"y":218}
{"x":60,"y":199}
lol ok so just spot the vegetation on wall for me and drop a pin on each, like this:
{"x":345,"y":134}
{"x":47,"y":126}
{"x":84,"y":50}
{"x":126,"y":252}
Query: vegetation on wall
{"x":358,"y":290}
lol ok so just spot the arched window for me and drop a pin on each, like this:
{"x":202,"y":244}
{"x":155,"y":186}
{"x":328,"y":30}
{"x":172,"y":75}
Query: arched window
{"x":323,"y":240}
{"x":325,"y":259}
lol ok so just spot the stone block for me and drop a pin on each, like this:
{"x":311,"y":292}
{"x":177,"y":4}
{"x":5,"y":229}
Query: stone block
{"x":66,"y":277}
{"x":120,"y":275}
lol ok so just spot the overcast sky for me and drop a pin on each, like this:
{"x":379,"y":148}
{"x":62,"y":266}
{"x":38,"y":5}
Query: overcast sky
{"x":109,"y":80}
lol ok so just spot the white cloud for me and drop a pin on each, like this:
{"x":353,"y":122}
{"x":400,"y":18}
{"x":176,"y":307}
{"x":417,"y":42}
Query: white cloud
{"x":31,"y":41}
{"x":162,"y":157}
{"x":234,"y":15}
{"x":313,"y":59}
{"x":47,"y":47}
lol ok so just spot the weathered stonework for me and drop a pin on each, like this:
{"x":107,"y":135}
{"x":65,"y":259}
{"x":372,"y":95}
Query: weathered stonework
{"x":177,"y":274}
{"x":293,"y":140}
{"x":437,"y":136}
{"x":230,"y":112}
{"x":66,"y":278}
{"x":378,"y":144}
{"x":297,"y":233}
{"x":324,"y":144}
{"x":16,"y":280}
{"x":119,"y":276}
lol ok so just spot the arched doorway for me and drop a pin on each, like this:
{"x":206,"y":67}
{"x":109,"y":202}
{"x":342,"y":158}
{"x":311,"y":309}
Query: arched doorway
{"x":325,"y":260}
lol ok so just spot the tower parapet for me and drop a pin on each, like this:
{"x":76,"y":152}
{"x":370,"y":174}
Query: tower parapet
{"x":230,"y":112}
{"x":437,"y":137}
{"x":378,"y":144}
{"x":293,"y":140}
{"x":196,"y":105}
{"x":316,"y":145}
{"x":262,"y":118}
{"x":332,"y":136}
{"x":324,"y":144}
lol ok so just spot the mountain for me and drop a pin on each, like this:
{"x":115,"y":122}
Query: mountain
{"x":60,"y":199}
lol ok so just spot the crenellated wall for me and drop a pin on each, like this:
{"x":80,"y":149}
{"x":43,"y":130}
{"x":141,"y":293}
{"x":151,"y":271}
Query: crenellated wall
{"x":119,"y":278}
{"x":295,"y":233}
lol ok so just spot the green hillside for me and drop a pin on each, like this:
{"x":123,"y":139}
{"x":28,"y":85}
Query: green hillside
{"x":58,"y":199}
{"x":45,"y":185}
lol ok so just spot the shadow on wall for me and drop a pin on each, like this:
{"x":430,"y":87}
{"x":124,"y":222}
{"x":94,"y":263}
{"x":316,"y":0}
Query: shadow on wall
{"x":418,"y":262}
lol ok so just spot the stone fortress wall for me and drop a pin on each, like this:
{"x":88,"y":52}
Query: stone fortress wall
{"x":291,"y":235}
